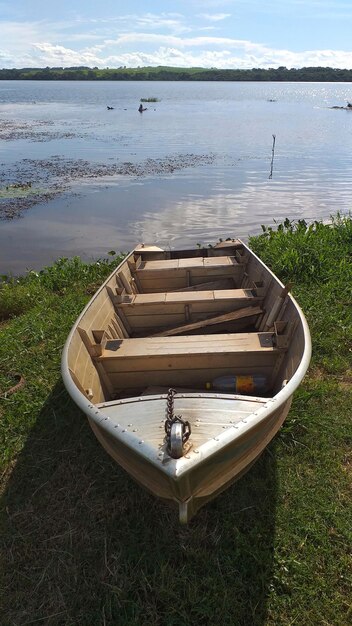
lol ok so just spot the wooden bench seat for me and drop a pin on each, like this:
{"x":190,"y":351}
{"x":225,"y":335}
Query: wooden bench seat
{"x":188,"y":360}
{"x":152,"y":254}
{"x":244,"y":296}
{"x":153,"y":311}
{"x":172,"y":274}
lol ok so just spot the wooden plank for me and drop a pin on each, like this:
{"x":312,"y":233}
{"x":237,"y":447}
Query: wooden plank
{"x":112,"y":331}
{"x":232,"y":243}
{"x":186,"y":263}
{"x":167,"y":284}
{"x":273,"y":315}
{"x":189,"y":252}
{"x":91,"y":347}
{"x":114,"y":297}
{"x":124,"y":320}
{"x":99,"y":313}
{"x":131,"y":262}
{"x":172,"y":280}
{"x":121,"y":325}
{"x":162,"y":273}
{"x":205,"y":309}
{"x":147,"y":298}
{"x":94,"y":351}
{"x":237,"y":326}
{"x":179,"y":296}
{"x":152,"y":391}
{"x":106,"y":383}
{"x":241,"y":294}
{"x":196,"y":344}
{"x":78,"y":384}
{"x":183,"y":377}
{"x":222,"y":283}
{"x":218,"y":319}
{"x":187,"y":296}
{"x":219,"y":260}
{"x":125,"y":282}
{"x":118,"y":327}
{"x":137,"y":287}
{"x":155,"y":322}
{"x":191,"y":263}
{"x":251,"y":361}
{"x":197,"y":275}
{"x":164,"y":264}
{"x":142,"y":247}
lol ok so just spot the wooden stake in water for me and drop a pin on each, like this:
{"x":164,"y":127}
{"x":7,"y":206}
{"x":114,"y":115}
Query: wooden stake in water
{"x":272,"y":157}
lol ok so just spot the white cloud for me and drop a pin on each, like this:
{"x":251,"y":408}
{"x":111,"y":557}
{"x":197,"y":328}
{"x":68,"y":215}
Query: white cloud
{"x":212,"y":4}
{"x":164,"y":39}
{"x":173,"y":22}
{"x":246,"y":55}
{"x":185,"y":42}
{"x":48,"y":54}
{"x":169,"y":21}
{"x":216,"y":17}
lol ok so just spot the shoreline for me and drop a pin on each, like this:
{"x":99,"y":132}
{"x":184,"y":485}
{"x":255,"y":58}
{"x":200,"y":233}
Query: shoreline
{"x":180,"y":74}
{"x":90,"y":197}
{"x":67,"y":508}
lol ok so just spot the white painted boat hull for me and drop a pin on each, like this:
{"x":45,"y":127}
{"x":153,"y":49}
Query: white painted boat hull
{"x":229,"y":430}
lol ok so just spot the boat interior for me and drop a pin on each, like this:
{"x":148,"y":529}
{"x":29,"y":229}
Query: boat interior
{"x":182,"y":319}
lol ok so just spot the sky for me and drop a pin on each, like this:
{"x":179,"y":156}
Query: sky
{"x":183,"y":33}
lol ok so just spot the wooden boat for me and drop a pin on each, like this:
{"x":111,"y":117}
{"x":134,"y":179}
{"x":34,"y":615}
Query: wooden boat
{"x":144,"y":357}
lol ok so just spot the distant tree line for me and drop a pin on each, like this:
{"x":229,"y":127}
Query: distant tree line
{"x":308,"y":74}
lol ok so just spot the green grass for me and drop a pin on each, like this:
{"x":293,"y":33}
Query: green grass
{"x":150,"y":100}
{"x":83,"y":545}
{"x":317,"y":259}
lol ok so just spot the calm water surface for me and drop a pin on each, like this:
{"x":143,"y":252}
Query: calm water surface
{"x":233,"y":121}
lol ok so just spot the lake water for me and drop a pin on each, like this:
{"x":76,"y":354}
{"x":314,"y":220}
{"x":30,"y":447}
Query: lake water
{"x":230,"y":196}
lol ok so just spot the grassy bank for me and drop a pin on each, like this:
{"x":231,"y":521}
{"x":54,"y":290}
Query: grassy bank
{"x":84,"y":545}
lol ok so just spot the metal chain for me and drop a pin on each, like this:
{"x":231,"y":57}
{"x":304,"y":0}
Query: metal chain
{"x":173,"y":419}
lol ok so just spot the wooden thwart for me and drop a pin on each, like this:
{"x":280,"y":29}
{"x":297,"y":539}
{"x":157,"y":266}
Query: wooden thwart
{"x":186,"y":361}
{"x":186,"y":263}
{"x":218,"y":319}
{"x":222,"y":283}
{"x":235,"y":296}
{"x":172,"y":274}
{"x":223,"y":344}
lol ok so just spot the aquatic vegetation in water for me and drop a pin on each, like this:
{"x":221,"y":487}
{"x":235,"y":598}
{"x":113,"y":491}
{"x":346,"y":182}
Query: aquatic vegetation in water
{"x":34,"y":130}
{"x":55,"y":175}
{"x":20,"y":190}
{"x":150,"y":100}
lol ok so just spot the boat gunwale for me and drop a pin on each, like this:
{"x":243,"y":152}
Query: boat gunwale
{"x":226,"y":436}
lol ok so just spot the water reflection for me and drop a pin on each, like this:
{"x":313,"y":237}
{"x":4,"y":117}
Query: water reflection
{"x":312,"y":167}
{"x":183,"y":209}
